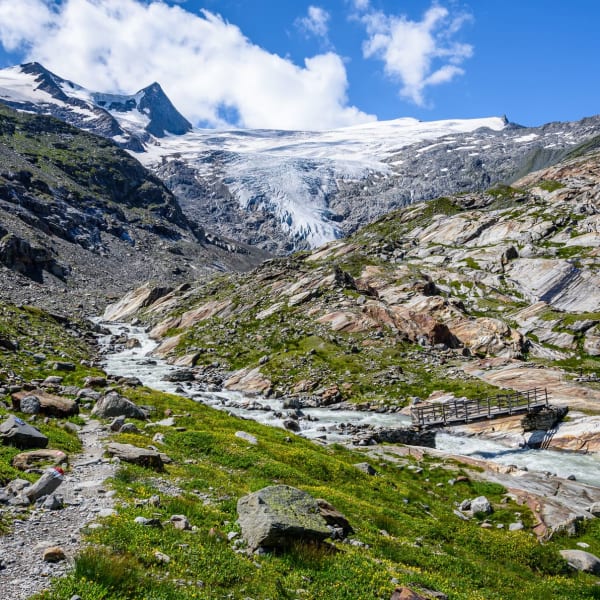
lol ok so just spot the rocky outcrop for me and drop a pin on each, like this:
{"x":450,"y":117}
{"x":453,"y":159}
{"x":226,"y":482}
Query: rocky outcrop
{"x":49,"y":404}
{"x":15,"y":432}
{"x":133,"y":302}
{"x":278,"y":515}
{"x":115,"y":405}
{"x":35,"y":458}
{"x":544,"y":418}
{"x":140,"y":456}
{"x":250,"y":381}
{"x":79,"y":214}
{"x":582,"y":561}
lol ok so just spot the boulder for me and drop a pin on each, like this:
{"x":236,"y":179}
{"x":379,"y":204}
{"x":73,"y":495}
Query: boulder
{"x":481,"y":505}
{"x":114,"y":405}
{"x":53,"y":502}
{"x":117,"y":423}
{"x":15,"y":432}
{"x":582,"y":561}
{"x":54,"y":554}
{"x":278,"y":515}
{"x":334,"y":518}
{"x":250,"y":381}
{"x":409,"y":437}
{"x":129,"y":428}
{"x":33,"y":458}
{"x":544,"y":418}
{"x":180,"y":522}
{"x":139,"y":456}
{"x":93,"y":381}
{"x":180,"y":375}
{"x":50,"y":405}
{"x":30,"y":405}
{"x":46,"y":484}
{"x":63,"y":366}
{"x":366,"y":468}
{"x":291,"y":425}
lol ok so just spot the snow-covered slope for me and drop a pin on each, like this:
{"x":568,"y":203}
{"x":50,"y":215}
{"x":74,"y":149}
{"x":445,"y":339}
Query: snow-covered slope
{"x":293,"y":174}
{"x":131,"y":120}
{"x":285,"y":190}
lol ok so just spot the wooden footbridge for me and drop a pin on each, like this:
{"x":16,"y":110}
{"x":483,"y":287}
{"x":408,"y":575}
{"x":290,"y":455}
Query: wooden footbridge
{"x":455,"y":412}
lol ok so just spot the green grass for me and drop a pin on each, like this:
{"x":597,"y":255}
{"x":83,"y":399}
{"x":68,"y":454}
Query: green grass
{"x":425,"y":544}
{"x":550,"y":185}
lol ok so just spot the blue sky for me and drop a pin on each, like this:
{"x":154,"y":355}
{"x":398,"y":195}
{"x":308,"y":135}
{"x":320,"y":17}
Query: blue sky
{"x":320,"y":64}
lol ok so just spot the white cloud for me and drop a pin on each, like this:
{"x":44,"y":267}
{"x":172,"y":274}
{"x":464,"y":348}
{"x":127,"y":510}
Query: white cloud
{"x":204,"y":63}
{"x":316,"y":22}
{"x":361,"y":4}
{"x":418,"y":54}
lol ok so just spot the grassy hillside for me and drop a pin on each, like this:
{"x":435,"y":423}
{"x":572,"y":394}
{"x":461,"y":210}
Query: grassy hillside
{"x":405,"y":529}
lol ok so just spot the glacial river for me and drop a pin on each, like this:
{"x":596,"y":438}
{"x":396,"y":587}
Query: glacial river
{"x":321,"y":423}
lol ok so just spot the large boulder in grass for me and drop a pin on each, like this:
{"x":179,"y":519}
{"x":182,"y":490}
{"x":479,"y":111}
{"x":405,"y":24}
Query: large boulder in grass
{"x":278,"y":515}
{"x":49,"y":404}
{"x":15,"y":432}
{"x":144,"y":457}
{"x":114,"y":405}
{"x":36,"y":458}
{"x":582,"y":561}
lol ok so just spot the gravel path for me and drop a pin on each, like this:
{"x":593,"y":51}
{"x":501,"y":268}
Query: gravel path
{"x":21,"y":551}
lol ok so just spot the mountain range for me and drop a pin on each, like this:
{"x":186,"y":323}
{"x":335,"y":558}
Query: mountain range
{"x":116,"y":203}
{"x":288,"y":190}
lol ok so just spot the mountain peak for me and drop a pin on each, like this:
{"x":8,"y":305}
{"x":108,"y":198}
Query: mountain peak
{"x":48,"y":81}
{"x":164,"y":117}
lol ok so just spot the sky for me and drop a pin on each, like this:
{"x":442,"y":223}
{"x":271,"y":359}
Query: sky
{"x":292,"y":64}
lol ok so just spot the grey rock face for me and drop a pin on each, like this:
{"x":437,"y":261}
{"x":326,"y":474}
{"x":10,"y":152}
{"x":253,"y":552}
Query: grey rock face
{"x":277,"y":515}
{"x":15,"y":432}
{"x":366,"y":468}
{"x":114,"y":405}
{"x":582,"y":561}
{"x":30,"y":405}
{"x":139,"y":456}
{"x":46,"y":484}
{"x":545,"y":418}
{"x":481,"y":505}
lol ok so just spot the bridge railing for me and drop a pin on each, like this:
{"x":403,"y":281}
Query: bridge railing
{"x":463,"y":411}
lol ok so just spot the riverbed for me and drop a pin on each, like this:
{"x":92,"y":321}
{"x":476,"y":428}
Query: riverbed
{"x":326,"y":425}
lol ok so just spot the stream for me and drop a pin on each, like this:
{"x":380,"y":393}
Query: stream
{"x":323,"y":424}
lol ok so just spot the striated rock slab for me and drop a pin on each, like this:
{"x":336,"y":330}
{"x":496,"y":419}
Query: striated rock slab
{"x":248,"y":380}
{"x":558,"y":283}
{"x":134,"y":301}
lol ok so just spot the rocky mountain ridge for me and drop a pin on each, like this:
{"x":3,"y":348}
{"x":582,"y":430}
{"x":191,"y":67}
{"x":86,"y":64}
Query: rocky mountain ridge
{"x":407,"y":306}
{"x":290,"y":190}
{"x":129,"y":120}
{"x":81,"y":219}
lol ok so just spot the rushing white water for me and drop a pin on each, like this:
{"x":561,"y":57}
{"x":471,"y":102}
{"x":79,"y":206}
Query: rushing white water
{"x":324,"y":423}
{"x":316,"y":423}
